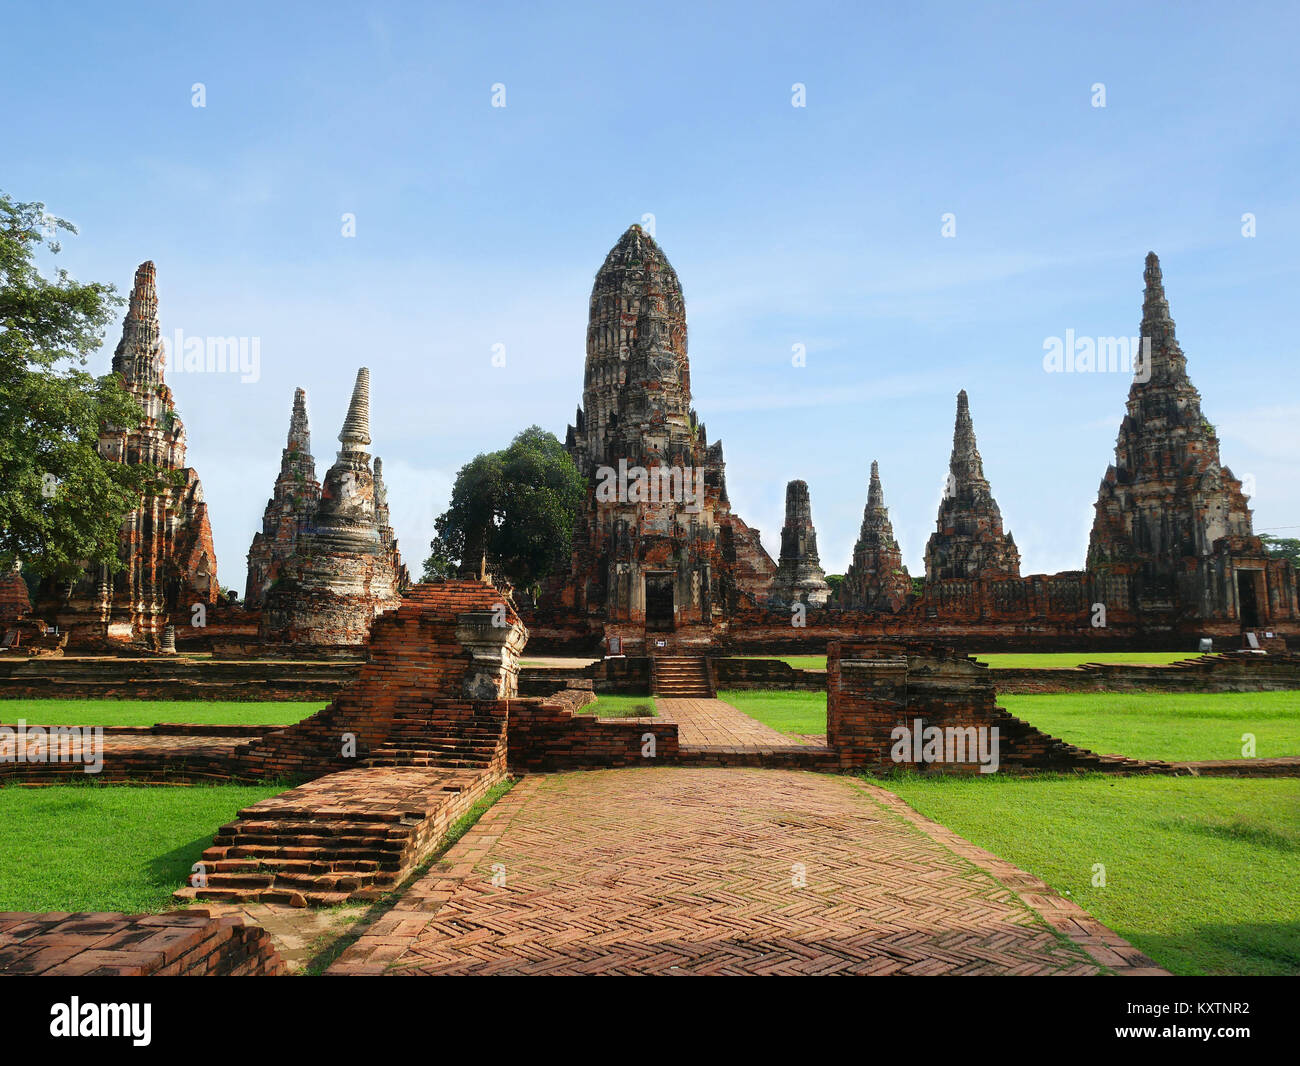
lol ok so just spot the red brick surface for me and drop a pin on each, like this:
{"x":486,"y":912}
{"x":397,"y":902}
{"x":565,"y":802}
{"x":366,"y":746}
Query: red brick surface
{"x":187,"y":943}
{"x":716,"y":872}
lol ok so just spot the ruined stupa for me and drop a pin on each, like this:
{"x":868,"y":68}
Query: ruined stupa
{"x":387,"y":536}
{"x":876,"y":580}
{"x":170,"y":565}
{"x":968,"y":542}
{"x":656,"y":547}
{"x":340,"y":574}
{"x":799,"y":576}
{"x":289,"y":511}
{"x":1172,"y":538}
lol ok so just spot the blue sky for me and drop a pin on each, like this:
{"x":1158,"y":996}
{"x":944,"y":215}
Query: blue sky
{"x":821,"y":225}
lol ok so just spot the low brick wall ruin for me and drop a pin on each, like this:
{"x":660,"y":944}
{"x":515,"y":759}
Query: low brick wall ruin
{"x":548,"y":735}
{"x":883,"y":701}
{"x":187,"y":943}
{"x":738,"y":673}
{"x":1275,"y":672}
{"x":173,"y":678}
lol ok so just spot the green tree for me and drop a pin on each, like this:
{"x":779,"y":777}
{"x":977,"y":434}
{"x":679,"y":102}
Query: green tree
{"x":1286,"y":547}
{"x":61,"y":504}
{"x":517,"y":506}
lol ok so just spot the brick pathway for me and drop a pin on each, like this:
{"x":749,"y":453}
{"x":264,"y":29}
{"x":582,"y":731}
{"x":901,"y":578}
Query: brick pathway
{"x":710,"y":871}
{"x":717,"y":724}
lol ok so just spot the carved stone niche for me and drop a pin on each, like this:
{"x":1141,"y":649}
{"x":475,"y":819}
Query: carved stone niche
{"x":494,"y":649}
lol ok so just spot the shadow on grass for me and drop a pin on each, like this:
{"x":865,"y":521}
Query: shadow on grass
{"x":1237,"y":831}
{"x":1243,"y":949}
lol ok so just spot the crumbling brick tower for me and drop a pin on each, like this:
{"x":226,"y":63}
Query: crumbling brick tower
{"x":968,"y":542}
{"x":166,"y":542}
{"x":799,"y":576}
{"x":289,"y":511}
{"x":341,"y":573}
{"x":672,"y":559}
{"x":876,"y":580}
{"x":1172,"y":541}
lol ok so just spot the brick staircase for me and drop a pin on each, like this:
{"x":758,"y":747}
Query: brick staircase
{"x":681,"y":677}
{"x":448,"y":736}
{"x":357,"y":833}
{"x":351,"y":835}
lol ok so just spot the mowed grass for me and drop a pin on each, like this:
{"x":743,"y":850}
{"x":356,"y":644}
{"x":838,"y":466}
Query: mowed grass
{"x":616,"y":705}
{"x":1175,"y":727}
{"x":795,"y":713}
{"x":1062,"y":660}
{"x":150,"y":712}
{"x":109,"y":847}
{"x":1202,"y":874}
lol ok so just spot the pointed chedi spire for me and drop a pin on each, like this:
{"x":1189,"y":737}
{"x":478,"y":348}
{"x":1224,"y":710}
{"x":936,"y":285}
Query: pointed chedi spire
{"x":965,"y":461}
{"x":875,"y":494}
{"x":799,"y":576}
{"x":1167,"y":500}
{"x":968,"y":542}
{"x":139,"y":355}
{"x":299,"y":430}
{"x":290,"y":510}
{"x":1167,"y":364}
{"x":876,"y":580}
{"x":355,"y":434}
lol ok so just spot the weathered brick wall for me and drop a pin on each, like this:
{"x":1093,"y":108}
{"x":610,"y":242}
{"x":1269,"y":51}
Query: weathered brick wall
{"x":546,"y":735}
{"x":416,"y":658}
{"x":172,"y":678}
{"x":873,"y":690}
{"x":14,"y":601}
{"x":1275,"y":672}
{"x":764,"y":674}
{"x":187,"y":943}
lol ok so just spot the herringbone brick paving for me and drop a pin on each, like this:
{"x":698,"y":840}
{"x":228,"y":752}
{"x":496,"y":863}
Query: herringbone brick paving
{"x":713,"y":723}
{"x":707,"y":871}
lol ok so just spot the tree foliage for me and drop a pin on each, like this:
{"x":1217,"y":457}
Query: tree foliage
{"x":519,"y":504}
{"x":61,"y":504}
{"x":1286,"y":547}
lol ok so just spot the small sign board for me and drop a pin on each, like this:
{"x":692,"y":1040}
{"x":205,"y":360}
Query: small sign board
{"x":660,"y":642}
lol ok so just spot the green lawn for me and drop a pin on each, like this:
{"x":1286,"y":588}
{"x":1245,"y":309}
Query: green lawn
{"x":1174,"y":727}
{"x":1202,"y":874}
{"x":1015,"y":660}
{"x":787,"y":712}
{"x":614,"y":705}
{"x":1066,"y":659}
{"x":149,"y":712}
{"x":1183,"y":726}
{"x":108,"y":848}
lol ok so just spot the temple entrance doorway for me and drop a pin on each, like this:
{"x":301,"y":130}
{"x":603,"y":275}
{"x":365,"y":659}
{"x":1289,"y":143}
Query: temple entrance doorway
{"x":659,"y":601}
{"x":1248,"y":598}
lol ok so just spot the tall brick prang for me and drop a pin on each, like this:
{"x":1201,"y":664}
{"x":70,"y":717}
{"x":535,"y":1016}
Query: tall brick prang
{"x":170,"y":565}
{"x":876,"y":580}
{"x":657,"y":546}
{"x":799,"y":576}
{"x":968,"y":541}
{"x":1172,"y":538}
{"x":290,"y":509}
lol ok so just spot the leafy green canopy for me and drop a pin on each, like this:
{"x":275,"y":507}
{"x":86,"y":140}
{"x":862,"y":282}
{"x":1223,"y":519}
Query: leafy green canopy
{"x":1286,"y":547}
{"x":61,"y":504}
{"x":519,"y":505}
